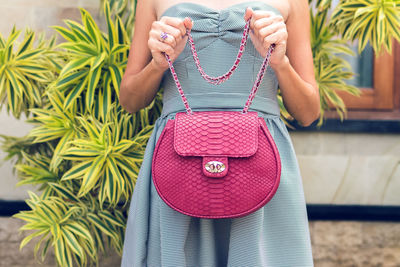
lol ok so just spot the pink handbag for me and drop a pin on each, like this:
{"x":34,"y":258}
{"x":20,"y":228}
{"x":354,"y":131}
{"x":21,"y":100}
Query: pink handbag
{"x":216,"y":164}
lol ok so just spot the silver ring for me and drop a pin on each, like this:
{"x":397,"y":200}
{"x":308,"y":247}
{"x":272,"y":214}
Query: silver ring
{"x":163,"y":36}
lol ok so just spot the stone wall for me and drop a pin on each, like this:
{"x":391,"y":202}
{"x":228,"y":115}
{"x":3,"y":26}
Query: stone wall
{"x":40,"y":14}
{"x":349,"y":168}
{"x":347,"y":244}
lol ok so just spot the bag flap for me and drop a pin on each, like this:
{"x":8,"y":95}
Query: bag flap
{"x":218,"y":133}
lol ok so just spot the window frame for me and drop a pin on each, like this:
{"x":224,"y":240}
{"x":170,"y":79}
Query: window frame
{"x":382,"y":102}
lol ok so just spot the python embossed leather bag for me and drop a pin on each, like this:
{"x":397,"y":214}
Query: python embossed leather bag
{"x":216,"y":164}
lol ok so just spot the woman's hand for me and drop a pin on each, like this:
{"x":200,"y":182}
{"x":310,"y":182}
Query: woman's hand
{"x":173,"y":45}
{"x":267,"y":28}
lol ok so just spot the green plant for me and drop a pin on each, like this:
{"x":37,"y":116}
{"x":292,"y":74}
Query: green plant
{"x":85,"y":151}
{"x":24,"y":72}
{"x":331,"y":70}
{"x":374,"y":21}
{"x":125,"y":9}
{"x":366,"y":21}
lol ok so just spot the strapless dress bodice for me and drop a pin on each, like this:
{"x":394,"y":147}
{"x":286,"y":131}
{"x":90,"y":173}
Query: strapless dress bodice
{"x":217,"y":35}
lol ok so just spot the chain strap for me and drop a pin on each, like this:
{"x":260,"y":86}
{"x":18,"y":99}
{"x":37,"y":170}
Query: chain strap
{"x":259,"y":78}
{"x":227,"y":75}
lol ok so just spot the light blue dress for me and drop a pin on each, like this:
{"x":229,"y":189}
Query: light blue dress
{"x":275,"y":235}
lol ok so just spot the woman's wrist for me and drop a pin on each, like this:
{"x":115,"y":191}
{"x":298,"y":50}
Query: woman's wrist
{"x":157,"y":67}
{"x":282,"y":66}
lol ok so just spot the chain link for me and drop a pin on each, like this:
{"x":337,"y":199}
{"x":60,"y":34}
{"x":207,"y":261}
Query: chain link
{"x":227,"y":75}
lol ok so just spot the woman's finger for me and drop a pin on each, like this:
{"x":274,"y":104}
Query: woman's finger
{"x":188,"y":23}
{"x":265,"y":21}
{"x":275,"y":38}
{"x":248,"y":13}
{"x":174,"y":35}
{"x":270,"y":29}
{"x":261,"y":23}
{"x":258,"y":14}
{"x":175,"y":22}
{"x":156,"y":46}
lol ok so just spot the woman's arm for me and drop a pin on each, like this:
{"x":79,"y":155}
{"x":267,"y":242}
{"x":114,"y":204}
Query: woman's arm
{"x":296,"y":74}
{"x":146,"y":63}
{"x":141,"y":80}
{"x":292,"y":58}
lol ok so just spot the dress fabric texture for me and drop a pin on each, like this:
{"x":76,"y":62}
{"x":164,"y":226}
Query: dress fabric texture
{"x":275,"y":235}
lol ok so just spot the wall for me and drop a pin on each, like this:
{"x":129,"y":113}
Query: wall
{"x":349,"y":168}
